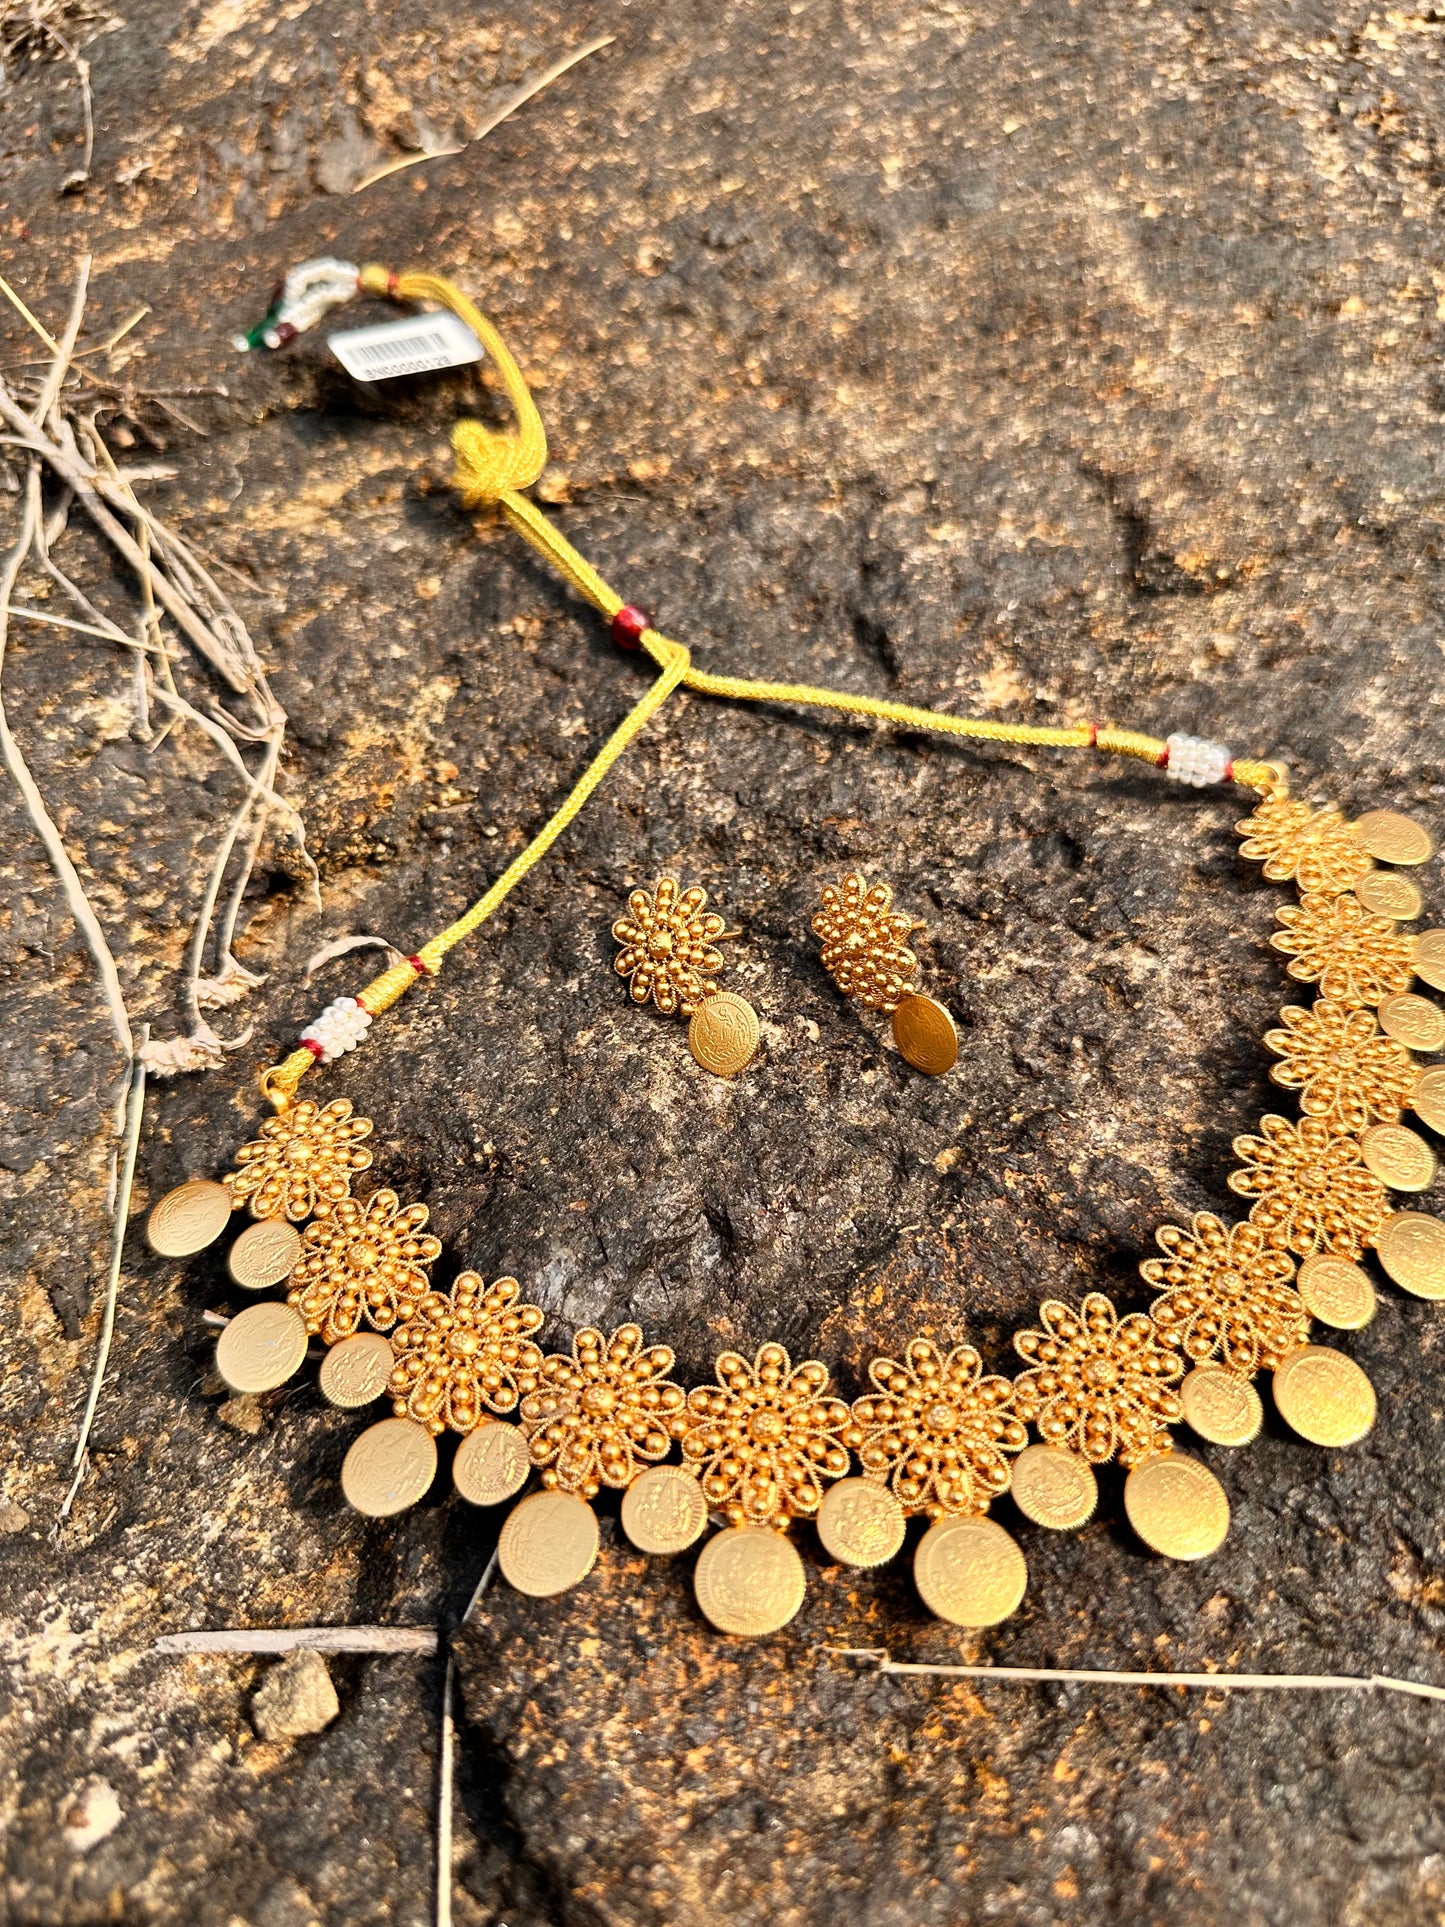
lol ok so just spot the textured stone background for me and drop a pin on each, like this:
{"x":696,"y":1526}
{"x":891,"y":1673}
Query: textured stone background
{"x":1043,"y":360}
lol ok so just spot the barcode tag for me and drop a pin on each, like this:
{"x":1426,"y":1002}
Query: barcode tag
{"x":414,"y":346}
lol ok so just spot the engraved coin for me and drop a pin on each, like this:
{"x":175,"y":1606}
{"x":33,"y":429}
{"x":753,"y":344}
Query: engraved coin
{"x":1336,"y":1292}
{"x":1054,"y":1488}
{"x":1429,"y":958}
{"x":926,"y":1035}
{"x":491,"y":1464}
{"x":357,"y":1370}
{"x":861,"y":1523}
{"x":1411,"y":1247}
{"x":1177,"y":1506}
{"x":1413,"y":1021}
{"x":189,"y":1218}
{"x":389,"y":1467}
{"x":549,"y":1544}
{"x":1393,"y":838}
{"x":723,"y":1034}
{"x":264,"y":1254}
{"x":1221,"y":1406}
{"x":663,"y":1510}
{"x":749,"y":1580}
{"x":1427,"y":1100}
{"x":261,"y":1347}
{"x":969,"y":1572}
{"x":1324,"y":1396}
{"x":1384,"y":894}
{"x":1398,"y":1157}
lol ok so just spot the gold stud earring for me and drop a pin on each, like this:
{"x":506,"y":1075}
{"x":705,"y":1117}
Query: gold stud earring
{"x":670,"y":958}
{"x":866,"y":953}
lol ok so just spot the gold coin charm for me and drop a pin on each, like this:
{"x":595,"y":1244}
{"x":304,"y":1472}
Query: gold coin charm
{"x":356,"y":1370}
{"x":749,"y":1580}
{"x":1177,"y":1506}
{"x":1384,"y":894}
{"x":1429,"y":958}
{"x":969,"y":1572}
{"x":1411,"y":1247}
{"x":723,"y":1034}
{"x":264,"y":1254}
{"x":1427,"y":1100}
{"x":1413,"y":1021}
{"x":1398,"y":1157}
{"x":261,"y":1347}
{"x":389,"y":1467}
{"x":491,"y":1464}
{"x":926,"y":1035}
{"x":1054,"y":1487}
{"x":1391,"y":838}
{"x":1336,"y":1292}
{"x":663,"y":1510}
{"x":549,"y":1544}
{"x":189,"y":1218}
{"x":1221,"y":1406}
{"x":861,"y":1523}
{"x":1324,"y":1396}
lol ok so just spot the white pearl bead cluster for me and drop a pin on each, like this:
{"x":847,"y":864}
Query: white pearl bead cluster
{"x":1195,"y":760}
{"x":339,"y":1028}
{"x":308,"y":293}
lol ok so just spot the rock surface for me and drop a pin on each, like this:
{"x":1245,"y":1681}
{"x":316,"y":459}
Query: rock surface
{"x":1042,"y":360}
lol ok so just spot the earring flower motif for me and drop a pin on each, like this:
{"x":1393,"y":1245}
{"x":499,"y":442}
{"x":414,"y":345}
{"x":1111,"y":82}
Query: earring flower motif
{"x":1226,"y":1294}
{"x":603,"y":1412}
{"x":1098,"y":1384}
{"x":937,"y":1430}
{"x":1314,"y":849}
{"x":765,"y":1436}
{"x":304,"y":1160}
{"x":1313,"y":1190}
{"x":463,"y":1353}
{"x":362,"y":1261}
{"x":1353,"y":957}
{"x":1344,"y":1068}
{"x":865,"y":943}
{"x":668,"y":949}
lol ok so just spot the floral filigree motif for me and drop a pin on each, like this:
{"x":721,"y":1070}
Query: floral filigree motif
{"x":1099,"y":1384}
{"x":937,"y":1430}
{"x":362,"y":1261}
{"x":304,"y":1159}
{"x":1226,"y":1294}
{"x":669,"y":949}
{"x":603,"y":1412}
{"x":1313,"y":1190}
{"x":765,"y":1436}
{"x":1315,"y":849}
{"x":1353,"y":957}
{"x":1344,"y":1068}
{"x":865,"y":943}
{"x":464,"y":1353}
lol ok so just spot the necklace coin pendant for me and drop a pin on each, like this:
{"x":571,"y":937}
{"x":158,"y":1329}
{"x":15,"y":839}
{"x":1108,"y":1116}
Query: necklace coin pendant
{"x":723,"y":1034}
{"x":1398,"y":1156}
{"x":663,"y":1510}
{"x":1324,"y":1396}
{"x":1411,"y":1247}
{"x":264,"y":1254}
{"x":969,"y":1572}
{"x":1336,"y":1292}
{"x":749,"y":1581}
{"x":861,"y":1523}
{"x":491,"y":1464}
{"x":1054,"y":1487}
{"x":925,"y":1034}
{"x":1429,"y":958}
{"x":1384,"y":894}
{"x":356,"y":1370}
{"x":189,"y":1218}
{"x":389,"y":1467}
{"x":1177,"y":1506}
{"x":1413,"y":1021}
{"x":261,"y":1348}
{"x":548,"y":1544}
{"x":1390,"y":837}
{"x":1427,"y":1100}
{"x":1221,"y":1406}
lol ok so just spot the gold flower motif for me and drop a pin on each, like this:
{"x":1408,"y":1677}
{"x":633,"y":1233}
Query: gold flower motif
{"x":764,"y":1437}
{"x":1313,"y":1189}
{"x":865,"y":943}
{"x":668,"y":949}
{"x":304,"y":1159}
{"x":599,"y":1412}
{"x":1315,"y":849}
{"x":1099,"y":1384}
{"x":463,"y":1350}
{"x":1344,"y":1068}
{"x":1353,"y":957}
{"x":937,"y":1430}
{"x":362,"y":1261}
{"x":1226,"y":1293}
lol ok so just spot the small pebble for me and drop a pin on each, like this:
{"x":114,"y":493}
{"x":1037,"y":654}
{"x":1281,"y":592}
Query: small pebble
{"x":296,"y":1697}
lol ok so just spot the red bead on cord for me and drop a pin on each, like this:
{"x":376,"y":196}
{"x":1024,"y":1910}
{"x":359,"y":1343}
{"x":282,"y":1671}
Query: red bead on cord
{"x":318,"y":1051}
{"x":628,"y":625}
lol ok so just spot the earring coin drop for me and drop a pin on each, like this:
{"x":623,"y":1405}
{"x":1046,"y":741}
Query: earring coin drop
{"x":1393,"y":838}
{"x":1054,"y":1487}
{"x":1177,"y":1506}
{"x":723,"y":1034}
{"x":925,"y":1034}
{"x":1336,"y":1291}
{"x":969,"y":1572}
{"x":1324,"y":1396}
{"x":749,"y":1580}
{"x":663,"y":1510}
{"x":357,"y":1370}
{"x":1221,"y":1406}
{"x":389,"y":1467}
{"x":548,"y":1544}
{"x":491,"y":1464}
{"x":861,"y":1523}
{"x":261,"y":1347}
{"x":1411,"y":1247}
{"x":189,"y":1218}
{"x":264,"y":1254}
